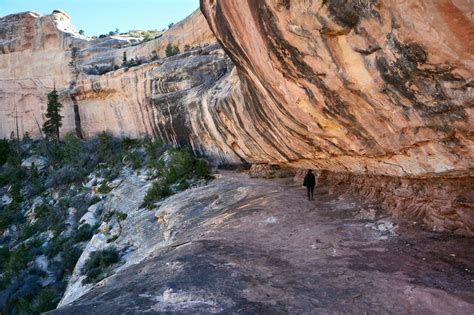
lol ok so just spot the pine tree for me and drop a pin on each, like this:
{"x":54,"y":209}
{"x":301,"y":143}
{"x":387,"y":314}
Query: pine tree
{"x":53,"y":117}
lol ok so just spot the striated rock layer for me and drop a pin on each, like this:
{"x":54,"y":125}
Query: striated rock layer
{"x":40,"y":52}
{"x":360,"y":88}
{"x":253,"y":246}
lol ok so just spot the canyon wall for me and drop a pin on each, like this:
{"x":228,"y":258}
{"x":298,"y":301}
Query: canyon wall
{"x":38,"y":53}
{"x":379,"y":94}
{"x":377,"y":87}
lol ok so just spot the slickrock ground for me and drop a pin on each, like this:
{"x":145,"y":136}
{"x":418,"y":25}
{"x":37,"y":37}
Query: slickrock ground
{"x":253,"y":245}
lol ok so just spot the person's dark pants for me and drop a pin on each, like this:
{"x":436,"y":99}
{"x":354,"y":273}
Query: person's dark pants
{"x":310,"y":192}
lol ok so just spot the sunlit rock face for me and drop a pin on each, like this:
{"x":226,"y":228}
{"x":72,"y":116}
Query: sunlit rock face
{"x":40,"y":52}
{"x":377,"y":87}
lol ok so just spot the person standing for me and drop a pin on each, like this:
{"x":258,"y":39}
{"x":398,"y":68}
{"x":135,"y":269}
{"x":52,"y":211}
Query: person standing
{"x":309,"y":182}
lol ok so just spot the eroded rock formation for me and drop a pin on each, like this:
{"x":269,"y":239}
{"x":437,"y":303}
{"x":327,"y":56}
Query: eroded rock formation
{"x":241,"y":245}
{"x":359,"y":86}
{"x":40,"y":52}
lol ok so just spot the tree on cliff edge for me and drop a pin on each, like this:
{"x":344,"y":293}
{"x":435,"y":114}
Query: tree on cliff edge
{"x":53,"y":117}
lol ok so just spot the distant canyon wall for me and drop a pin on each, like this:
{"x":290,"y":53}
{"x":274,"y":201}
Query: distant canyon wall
{"x":40,"y":52}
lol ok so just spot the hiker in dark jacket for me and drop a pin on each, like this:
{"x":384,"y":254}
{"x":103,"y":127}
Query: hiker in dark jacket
{"x":310,"y":182}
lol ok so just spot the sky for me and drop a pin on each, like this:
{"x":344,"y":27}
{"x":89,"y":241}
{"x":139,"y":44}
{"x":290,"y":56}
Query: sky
{"x":97,"y":17}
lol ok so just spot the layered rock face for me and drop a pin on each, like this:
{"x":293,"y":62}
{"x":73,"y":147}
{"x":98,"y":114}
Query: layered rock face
{"x":40,"y":52}
{"x":359,"y":86}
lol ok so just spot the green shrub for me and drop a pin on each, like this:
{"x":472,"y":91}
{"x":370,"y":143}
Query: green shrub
{"x":105,"y":147}
{"x":5,"y":279}
{"x":134,"y":160}
{"x":46,"y":301}
{"x":4,"y":179}
{"x":121,"y":216}
{"x":72,"y":149}
{"x":22,"y":306}
{"x":35,"y":243}
{"x":153,"y":148}
{"x":64,"y":202}
{"x":36,"y":181}
{"x":128,"y":144}
{"x":4,"y":258}
{"x":55,"y":247}
{"x":171,"y":50}
{"x":106,"y":216}
{"x":15,"y":192}
{"x":154,"y":55}
{"x":157,"y":191}
{"x":104,"y":188}
{"x":28,"y":231}
{"x":4,"y":151}
{"x":97,"y":264}
{"x":182,"y":166}
{"x":56,"y":153}
{"x":70,"y":258}
{"x":7,"y":216}
{"x":19,"y":258}
{"x":182,"y":185}
{"x":202,"y":168}
{"x":84,"y":233}
{"x":43,"y":211}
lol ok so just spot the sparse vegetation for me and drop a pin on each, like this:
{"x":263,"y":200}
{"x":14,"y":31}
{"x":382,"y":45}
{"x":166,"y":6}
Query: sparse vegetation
{"x":171,"y":50}
{"x":174,"y":176}
{"x":4,"y":151}
{"x":96,"y":266}
{"x":103,"y":188}
{"x":45,"y":202}
{"x":154,"y":55}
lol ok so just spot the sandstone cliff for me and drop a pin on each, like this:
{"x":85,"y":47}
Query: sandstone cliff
{"x":40,"y":52}
{"x":380,"y":87}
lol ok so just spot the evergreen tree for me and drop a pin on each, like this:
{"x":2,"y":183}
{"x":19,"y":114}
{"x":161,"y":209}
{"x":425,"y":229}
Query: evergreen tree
{"x":53,"y":117}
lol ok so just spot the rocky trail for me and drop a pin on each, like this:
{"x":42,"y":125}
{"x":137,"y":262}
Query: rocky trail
{"x":243,"y":245}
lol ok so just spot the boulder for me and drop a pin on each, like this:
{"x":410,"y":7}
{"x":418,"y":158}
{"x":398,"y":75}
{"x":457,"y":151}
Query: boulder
{"x":40,"y":162}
